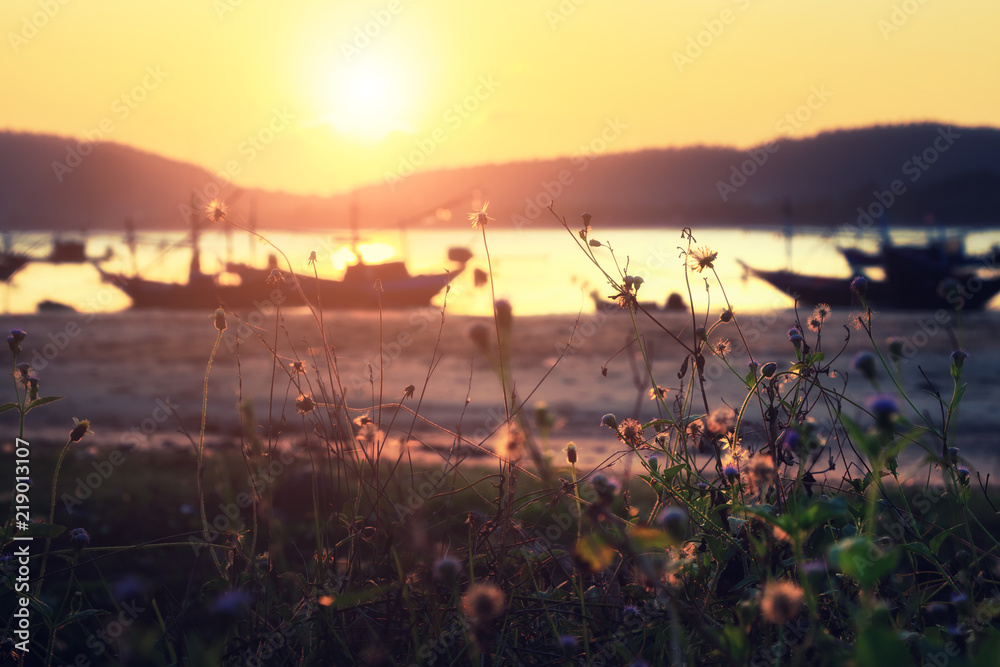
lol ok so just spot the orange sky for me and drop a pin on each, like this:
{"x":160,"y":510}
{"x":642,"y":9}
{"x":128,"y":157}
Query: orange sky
{"x":318,"y":97}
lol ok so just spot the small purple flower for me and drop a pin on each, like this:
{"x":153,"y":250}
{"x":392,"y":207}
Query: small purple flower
{"x":859,"y":285}
{"x":768,"y":369}
{"x":958,"y":358}
{"x":884,"y":408}
{"x":232,"y":603}
{"x":14,"y":339}
{"x":568,"y":643}
{"x":731,"y":473}
{"x":791,"y":440}
{"x":79,"y":537}
{"x":864,"y":361}
{"x":795,"y":336}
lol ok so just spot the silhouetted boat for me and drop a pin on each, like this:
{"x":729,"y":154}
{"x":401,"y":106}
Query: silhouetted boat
{"x":674,"y":303}
{"x":938,"y":254}
{"x":906,"y":286}
{"x":254,"y":287}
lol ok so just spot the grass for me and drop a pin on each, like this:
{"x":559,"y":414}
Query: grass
{"x":772,"y":529}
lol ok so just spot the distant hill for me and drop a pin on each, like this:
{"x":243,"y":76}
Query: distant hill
{"x":953,"y":174}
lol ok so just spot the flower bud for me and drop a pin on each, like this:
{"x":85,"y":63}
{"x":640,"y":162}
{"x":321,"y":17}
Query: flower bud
{"x":768,"y":369}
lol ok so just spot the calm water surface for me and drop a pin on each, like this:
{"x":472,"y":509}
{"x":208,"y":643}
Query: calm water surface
{"x":538,"y":270}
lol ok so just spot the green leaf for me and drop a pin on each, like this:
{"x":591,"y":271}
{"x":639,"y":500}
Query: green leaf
{"x":595,"y":552}
{"x":957,"y":397}
{"x":671,"y":472}
{"x":7,"y":406}
{"x":42,"y":401}
{"x":938,"y":540}
{"x":877,"y":647}
{"x":920,"y":549}
{"x":861,"y":558}
{"x":646,"y":540}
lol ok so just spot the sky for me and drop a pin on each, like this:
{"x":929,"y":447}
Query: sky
{"x":321,"y":97}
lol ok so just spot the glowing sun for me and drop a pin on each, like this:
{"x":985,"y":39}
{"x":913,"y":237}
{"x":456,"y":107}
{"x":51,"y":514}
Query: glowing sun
{"x":369,"y":100}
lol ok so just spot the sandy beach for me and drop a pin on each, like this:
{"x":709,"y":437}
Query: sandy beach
{"x":123,"y":370}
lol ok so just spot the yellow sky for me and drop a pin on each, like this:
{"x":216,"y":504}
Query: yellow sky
{"x":319,"y":97}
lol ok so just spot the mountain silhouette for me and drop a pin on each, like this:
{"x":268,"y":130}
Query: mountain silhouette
{"x":952,"y":173}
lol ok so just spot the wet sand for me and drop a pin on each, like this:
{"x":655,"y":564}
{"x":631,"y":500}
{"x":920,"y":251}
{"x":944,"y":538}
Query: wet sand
{"x":121,"y":370}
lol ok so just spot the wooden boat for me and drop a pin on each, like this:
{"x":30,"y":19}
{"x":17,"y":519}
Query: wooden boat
{"x":906,"y":286}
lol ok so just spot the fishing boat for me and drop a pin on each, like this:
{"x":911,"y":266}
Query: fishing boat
{"x":242,"y":286}
{"x":906,"y":286}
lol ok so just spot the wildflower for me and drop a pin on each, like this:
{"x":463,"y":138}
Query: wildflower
{"x":220,"y":319}
{"x":815,"y":324}
{"x":674,"y":521}
{"x":568,"y":643}
{"x":760,"y":469}
{"x":790,"y":440}
{"x":275,"y":277}
{"x":631,"y":433}
{"x":958,"y":358}
{"x":721,"y":421}
{"x":782,"y":601}
{"x":768,"y":369}
{"x":479,"y":218}
{"x":722,"y":347}
{"x":446,"y":570}
{"x":609,"y":420}
{"x":480,"y":335}
{"x":14,"y":340}
{"x":865,"y":362}
{"x":24,"y":370}
{"x":657,"y":392}
{"x":963,"y":475}
{"x":79,"y":537}
{"x":312,"y":258}
{"x":483,"y":602}
{"x":81,"y":427}
{"x":216,"y":210}
{"x":363,"y":420}
{"x":884,"y":408}
{"x":586,"y":219}
{"x":304,"y":404}
{"x":795,"y":337}
{"x":731,"y":473}
{"x":606,"y":488}
{"x":726,"y":316}
{"x":297,"y":367}
{"x":638,"y":281}
{"x":822,"y":312}
{"x":896,"y":348}
{"x":702,"y":258}
{"x":505,"y":317}
{"x":571,"y":453}
{"x":232,"y":603}
{"x":701,"y":333}
{"x":514,"y":444}
{"x":408,"y":391}
{"x":753,"y":366}
{"x":859,"y":285}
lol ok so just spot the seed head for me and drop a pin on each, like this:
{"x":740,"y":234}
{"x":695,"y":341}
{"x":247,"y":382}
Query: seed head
{"x":610,"y":421}
{"x":674,"y":521}
{"x":483,"y":602}
{"x":446,"y":570}
{"x":216,"y":210}
{"x":760,"y":469}
{"x":304,"y":404}
{"x":702,"y":258}
{"x":571,"y":453}
{"x":81,"y":428}
{"x":479,"y":218}
{"x":630,"y":433}
{"x":220,"y":319}
{"x":768,"y":369}
{"x":726,"y":316}
{"x":782,"y":601}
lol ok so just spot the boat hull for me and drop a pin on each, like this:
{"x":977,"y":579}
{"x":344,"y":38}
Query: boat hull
{"x":254,"y":292}
{"x":926,"y":292}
